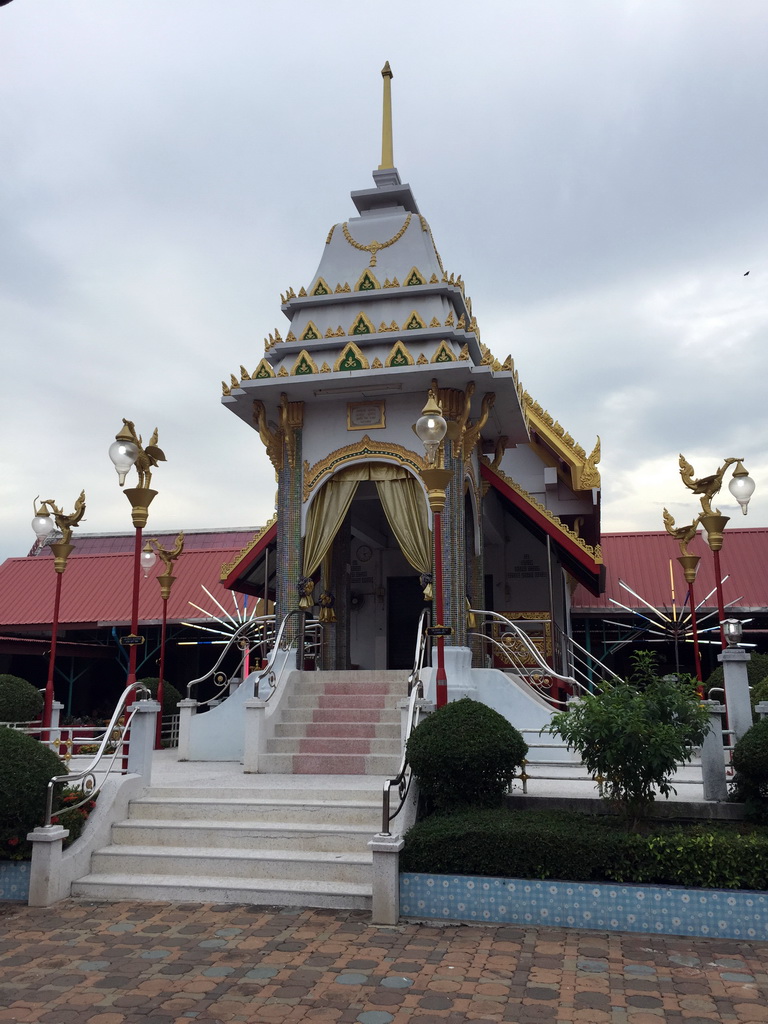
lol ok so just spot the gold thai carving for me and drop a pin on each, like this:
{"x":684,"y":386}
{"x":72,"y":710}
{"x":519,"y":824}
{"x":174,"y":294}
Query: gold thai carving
{"x":462,"y":323}
{"x":590,"y":474}
{"x":377,"y":364}
{"x":682,"y":534}
{"x":262,"y":371}
{"x":560,"y":440}
{"x":374,"y":247}
{"x":434,"y":322}
{"x":290,"y":336}
{"x":443,"y":354}
{"x":425,"y":227}
{"x":302,"y":292}
{"x":473,"y":432}
{"x":282,"y":372}
{"x":330,"y":333}
{"x":271,"y":438}
{"x":434,"y":279}
{"x":464,"y":354}
{"x":707,"y":486}
{"x":224,"y":388}
{"x":367,"y":276}
{"x":449,"y":321}
{"x":325,"y":368}
{"x":306,"y":358}
{"x":330,"y":234}
{"x":399,"y":349}
{"x":351,"y":350}
{"x":508,"y":366}
{"x":233,"y":381}
{"x":594,"y":551}
{"x":227,"y":567}
{"x":244,"y":375}
{"x":366,"y":322}
{"x":412,"y":319}
{"x":498,"y":453}
{"x":363,"y":449}
{"x":422,"y":360}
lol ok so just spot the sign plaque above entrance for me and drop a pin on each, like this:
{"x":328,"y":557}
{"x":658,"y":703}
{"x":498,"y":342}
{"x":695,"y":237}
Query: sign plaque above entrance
{"x":366,"y":415}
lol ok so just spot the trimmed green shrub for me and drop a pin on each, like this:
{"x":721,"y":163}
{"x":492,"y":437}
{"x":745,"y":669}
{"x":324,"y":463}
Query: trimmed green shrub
{"x":171,"y":695}
{"x":635,"y":739}
{"x":758,"y":693}
{"x":19,"y":700}
{"x":465,"y":754}
{"x":586,"y":848}
{"x":750,"y":759}
{"x":26,"y":768}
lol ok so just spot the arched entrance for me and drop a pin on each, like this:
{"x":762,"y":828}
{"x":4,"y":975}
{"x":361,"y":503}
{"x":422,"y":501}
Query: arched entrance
{"x":366,"y":544}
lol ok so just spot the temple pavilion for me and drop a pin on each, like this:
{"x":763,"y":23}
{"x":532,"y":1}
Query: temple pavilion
{"x":379,"y":325}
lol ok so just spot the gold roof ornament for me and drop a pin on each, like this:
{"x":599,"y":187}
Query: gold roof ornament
{"x":387,"y":154}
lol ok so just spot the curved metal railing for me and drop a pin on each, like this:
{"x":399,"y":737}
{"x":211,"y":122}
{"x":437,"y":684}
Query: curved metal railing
{"x":309,"y":646}
{"x":115,"y":738}
{"x":530,"y":666}
{"x":240,"y":639}
{"x":415,"y":692}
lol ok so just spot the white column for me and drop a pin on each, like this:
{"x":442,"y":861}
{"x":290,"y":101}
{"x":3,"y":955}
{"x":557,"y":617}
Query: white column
{"x":736,"y":683}
{"x":45,"y":870}
{"x":385,"y":907}
{"x":255,"y":711}
{"x":142,"y":739}
{"x":712,"y":755}
{"x":187,"y":708}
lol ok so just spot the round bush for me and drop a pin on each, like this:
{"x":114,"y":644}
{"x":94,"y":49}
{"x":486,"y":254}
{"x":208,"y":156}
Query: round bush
{"x":171,"y":695}
{"x":19,"y":700}
{"x":750,"y":759}
{"x":465,"y":754}
{"x":757,"y":669}
{"x":26,"y":768}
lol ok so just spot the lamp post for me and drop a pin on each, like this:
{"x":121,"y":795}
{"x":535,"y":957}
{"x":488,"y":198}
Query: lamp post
{"x":127,"y":451}
{"x":690,"y":566}
{"x":166,"y":580}
{"x":741,"y":487}
{"x":49,"y":517}
{"x":431,"y":429}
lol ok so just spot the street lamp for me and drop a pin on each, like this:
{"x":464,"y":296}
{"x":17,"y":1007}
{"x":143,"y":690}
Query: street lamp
{"x":431,"y":429}
{"x":166,"y":580}
{"x":127,"y":451}
{"x":48,"y":518}
{"x":690,"y":566}
{"x":741,"y":487}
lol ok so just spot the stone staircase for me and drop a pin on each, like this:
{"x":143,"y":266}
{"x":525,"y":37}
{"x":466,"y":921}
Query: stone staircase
{"x":283,"y":846}
{"x":303,"y":843}
{"x":338,"y":723}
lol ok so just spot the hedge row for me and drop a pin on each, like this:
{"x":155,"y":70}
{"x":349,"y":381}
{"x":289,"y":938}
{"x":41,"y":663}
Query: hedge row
{"x":583,"y":848}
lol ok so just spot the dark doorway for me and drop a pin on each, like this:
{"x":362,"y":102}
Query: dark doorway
{"x":405,"y":602}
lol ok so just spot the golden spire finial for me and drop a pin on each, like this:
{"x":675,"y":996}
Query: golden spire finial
{"x":387,"y":158}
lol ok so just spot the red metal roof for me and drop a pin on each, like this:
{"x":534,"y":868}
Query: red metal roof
{"x":642,"y":561}
{"x":97,"y":588}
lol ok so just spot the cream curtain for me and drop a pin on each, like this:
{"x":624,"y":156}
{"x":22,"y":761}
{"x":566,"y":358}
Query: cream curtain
{"x":402,"y":499}
{"x":406,"y":512}
{"x":325,"y":516}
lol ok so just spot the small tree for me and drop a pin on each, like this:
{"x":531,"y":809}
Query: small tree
{"x":750,"y":759}
{"x":171,"y":695}
{"x":635,"y":739}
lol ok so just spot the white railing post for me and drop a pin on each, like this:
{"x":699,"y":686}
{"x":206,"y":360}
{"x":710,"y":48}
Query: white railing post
{"x":736,"y":684}
{"x":142,"y":739}
{"x":255,"y":711}
{"x":761,"y":709}
{"x":45,"y":869}
{"x":385,"y":906}
{"x":187,"y":708}
{"x":712,"y":755}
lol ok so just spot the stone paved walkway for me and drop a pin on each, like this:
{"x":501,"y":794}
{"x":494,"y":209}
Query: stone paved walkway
{"x":171,"y":963}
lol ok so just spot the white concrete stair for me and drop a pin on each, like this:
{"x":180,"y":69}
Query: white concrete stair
{"x":288,"y":846}
{"x":338,"y":723}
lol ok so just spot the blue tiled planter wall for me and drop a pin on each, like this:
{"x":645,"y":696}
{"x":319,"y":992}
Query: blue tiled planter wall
{"x":663,"y":910}
{"x":14,"y":880}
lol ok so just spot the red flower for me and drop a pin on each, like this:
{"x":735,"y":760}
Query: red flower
{"x":13,"y":841}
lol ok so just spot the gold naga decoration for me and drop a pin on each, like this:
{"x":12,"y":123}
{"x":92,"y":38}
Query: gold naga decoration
{"x":273,"y":438}
{"x":682,"y":534}
{"x":706,"y":486}
{"x":167,"y":557}
{"x":64,"y":523}
{"x":148,"y":457}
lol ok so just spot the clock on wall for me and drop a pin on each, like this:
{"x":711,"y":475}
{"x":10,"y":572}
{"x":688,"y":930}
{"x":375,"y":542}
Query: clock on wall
{"x":363,"y":553}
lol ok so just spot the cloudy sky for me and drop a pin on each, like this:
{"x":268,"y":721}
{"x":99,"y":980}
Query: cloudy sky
{"x":596,"y":171}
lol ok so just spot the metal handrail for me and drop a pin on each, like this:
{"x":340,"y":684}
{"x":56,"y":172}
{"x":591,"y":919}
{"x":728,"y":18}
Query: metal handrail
{"x":414,"y":675}
{"x":415,"y":692}
{"x":523,"y":671}
{"x":113,"y":734}
{"x":267,"y":673}
{"x":237,"y":636}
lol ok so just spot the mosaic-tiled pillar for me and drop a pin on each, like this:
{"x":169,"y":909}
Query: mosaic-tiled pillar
{"x":476,"y":571}
{"x":454,"y":569}
{"x":289,"y":496}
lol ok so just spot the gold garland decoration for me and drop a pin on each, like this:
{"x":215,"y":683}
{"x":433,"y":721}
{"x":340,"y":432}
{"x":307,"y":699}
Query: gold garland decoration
{"x":374,"y":247}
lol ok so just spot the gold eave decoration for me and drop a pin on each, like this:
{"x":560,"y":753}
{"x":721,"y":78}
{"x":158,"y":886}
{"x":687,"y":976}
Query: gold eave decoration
{"x":594,"y":551}
{"x":227,"y":567}
{"x":399,"y":356}
{"x":375,"y":246}
{"x":363,"y":449}
{"x":304,"y":364}
{"x":583,"y":469}
{"x":351,"y":355}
